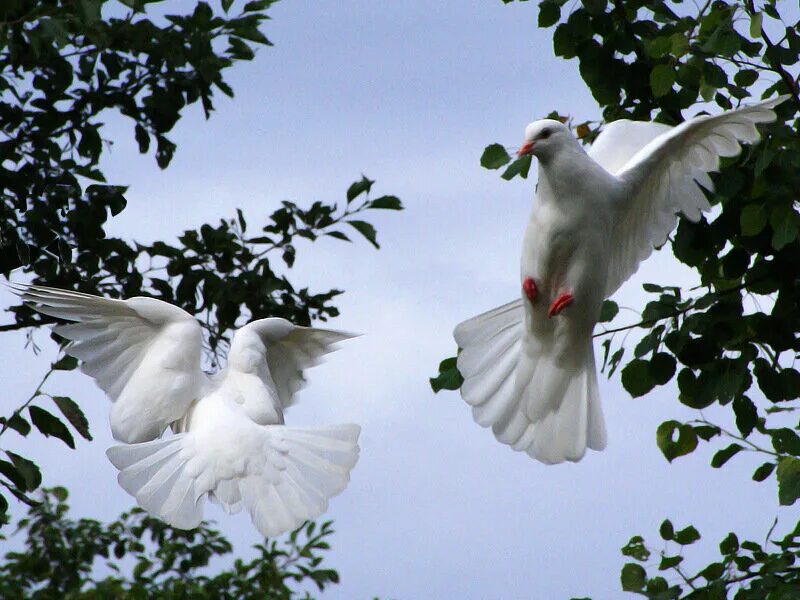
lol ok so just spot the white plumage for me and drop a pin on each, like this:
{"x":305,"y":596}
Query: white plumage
{"x":229,"y":442}
{"x":528,"y":366}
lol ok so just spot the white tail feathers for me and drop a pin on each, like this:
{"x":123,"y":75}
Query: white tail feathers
{"x":155,"y":474}
{"x":515,"y":386}
{"x":298,"y":471}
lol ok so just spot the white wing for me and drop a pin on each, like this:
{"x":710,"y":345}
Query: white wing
{"x":621,"y":140}
{"x":291,"y":349}
{"x":665,"y":178}
{"x":143,"y":353}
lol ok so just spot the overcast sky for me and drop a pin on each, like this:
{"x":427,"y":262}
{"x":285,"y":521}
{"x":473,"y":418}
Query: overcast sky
{"x":409,"y":93}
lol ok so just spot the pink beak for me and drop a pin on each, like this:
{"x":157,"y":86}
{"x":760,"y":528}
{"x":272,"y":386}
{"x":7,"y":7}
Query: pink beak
{"x":526,"y":149}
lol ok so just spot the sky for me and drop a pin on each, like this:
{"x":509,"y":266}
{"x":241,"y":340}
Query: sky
{"x":409,"y":93}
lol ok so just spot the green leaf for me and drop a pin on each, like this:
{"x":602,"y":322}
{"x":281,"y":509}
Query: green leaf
{"x":669,"y":562}
{"x":724,"y":455}
{"x":365,"y":229}
{"x":755,"y":25}
{"x":784,"y":223}
{"x":635,"y":548}
{"x":680,"y":45}
{"x":66,"y":363}
{"x":18,"y":423}
{"x":764,"y":471}
{"x":713,"y":571}
{"x":520,"y":167}
{"x":142,"y":138}
{"x":549,"y":13}
{"x":707,"y":91}
{"x":358,"y":188}
{"x":50,"y":425}
{"x":753,"y":219}
{"x":636,"y":378}
{"x":745,"y":77}
{"x":671,"y":447}
{"x":387,"y":203}
{"x":667,"y":531}
{"x":28,"y":469}
{"x":746,"y":414}
{"x":10,"y":472}
{"x":70,"y":409}
{"x":661,"y":368}
{"x":448,"y":378}
{"x":788,"y":480}
{"x":494,"y":156}
{"x":608,"y":311}
{"x":632,"y":577}
{"x":338,"y":235}
{"x":730,"y":545}
{"x":661,"y":79}
{"x":686,"y":536}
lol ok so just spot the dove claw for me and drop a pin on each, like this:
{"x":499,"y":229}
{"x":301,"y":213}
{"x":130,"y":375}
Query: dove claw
{"x":530,"y":289}
{"x":560,"y":303}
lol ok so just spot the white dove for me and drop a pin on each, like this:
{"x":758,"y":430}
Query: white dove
{"x":230,"y":443}
{"x":528,"y":366}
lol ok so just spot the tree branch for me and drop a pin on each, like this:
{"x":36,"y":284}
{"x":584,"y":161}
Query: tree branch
{"x":36,"y":394}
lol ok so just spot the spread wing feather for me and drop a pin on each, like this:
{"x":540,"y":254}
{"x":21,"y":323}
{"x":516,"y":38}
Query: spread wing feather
{"x":291,"y":349}
{"x":665,"y":179}
{"x":143,"y":353}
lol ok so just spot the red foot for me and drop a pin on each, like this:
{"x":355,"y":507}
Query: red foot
{"x":563,"y":301}
{"x":529,"y":287}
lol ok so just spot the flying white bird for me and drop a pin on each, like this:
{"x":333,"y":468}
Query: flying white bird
{"x":528,"y":366}
{"x":229,"y":442}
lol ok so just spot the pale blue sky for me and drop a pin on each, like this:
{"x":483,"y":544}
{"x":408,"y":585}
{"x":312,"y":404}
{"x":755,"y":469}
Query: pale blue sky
{"x":409,"y":93}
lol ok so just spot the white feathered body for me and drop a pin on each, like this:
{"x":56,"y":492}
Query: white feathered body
{"x":529,"y":372}
{"x":565,"y":248}
{"x":229,"y":444}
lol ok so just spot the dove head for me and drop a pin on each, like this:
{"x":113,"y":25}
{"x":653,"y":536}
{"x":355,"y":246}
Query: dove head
{"x":544,"y":138}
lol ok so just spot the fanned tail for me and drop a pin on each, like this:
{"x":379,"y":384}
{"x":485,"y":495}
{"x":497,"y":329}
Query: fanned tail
{"x":288,"y":482}
{"x":155,"y":474}
{"x":532,"y":404}
{"x":317,"y":464}
{"x":562,"y":405}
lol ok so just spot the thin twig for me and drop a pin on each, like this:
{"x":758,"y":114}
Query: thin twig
{"x":36,"y":394}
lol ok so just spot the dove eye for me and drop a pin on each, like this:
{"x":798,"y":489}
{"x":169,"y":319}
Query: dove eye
{"x":544,"y":134}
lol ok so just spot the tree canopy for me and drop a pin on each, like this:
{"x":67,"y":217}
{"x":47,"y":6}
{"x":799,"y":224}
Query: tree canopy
{"x":141,"y":557}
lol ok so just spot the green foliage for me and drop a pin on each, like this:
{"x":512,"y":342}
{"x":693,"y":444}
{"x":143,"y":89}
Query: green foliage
{"x":138,"y":556}
{"x":448,"y":378}
{"x":732,"y":342}
{"x":64,"y":64}
{"x":756,"y":572}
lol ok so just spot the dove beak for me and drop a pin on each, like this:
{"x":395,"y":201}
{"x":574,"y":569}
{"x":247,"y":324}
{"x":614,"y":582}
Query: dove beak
{"x":526,"y":149}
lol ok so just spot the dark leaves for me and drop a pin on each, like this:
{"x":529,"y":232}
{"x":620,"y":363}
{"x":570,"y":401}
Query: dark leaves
{"x":675,"y":439}
{"x":49,"y":425}
{"x":448,"y":378}
{"x":788,"y":480}
{"x":362,"y":186}
{"x":74,"y":415}
{"x":365,"y":229}
{"x":494,"y":157}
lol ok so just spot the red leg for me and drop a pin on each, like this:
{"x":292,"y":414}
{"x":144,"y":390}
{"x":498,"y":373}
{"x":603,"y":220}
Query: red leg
{"x":529,"y":287}
{"x":563,"y":301}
